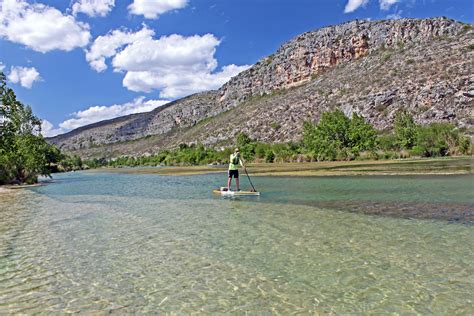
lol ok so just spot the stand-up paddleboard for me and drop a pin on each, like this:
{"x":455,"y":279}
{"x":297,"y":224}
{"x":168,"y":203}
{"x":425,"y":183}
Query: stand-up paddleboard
{"x":223,"y":191}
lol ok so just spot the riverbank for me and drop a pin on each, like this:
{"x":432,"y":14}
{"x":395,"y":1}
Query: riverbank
{"x":438,"y":166}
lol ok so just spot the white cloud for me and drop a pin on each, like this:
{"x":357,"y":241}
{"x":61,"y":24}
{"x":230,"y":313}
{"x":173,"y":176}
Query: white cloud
{"x":24,"y":75}
{"x":41,"y":27}
{"x":174,"y":52}
{"x":180,"y":83}
{"x":100,"y":113}
{"x":107,"y":46}
{"x":386,"y":4}
{"x":48,"y":130}
{"x":395,"y":16}
{"x":151,"y":9}
{"x":353,"y":5}
{"x":176,"y":65}
{"x":93,"y":7}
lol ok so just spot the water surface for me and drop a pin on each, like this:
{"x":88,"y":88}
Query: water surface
{"x":98,"y":242}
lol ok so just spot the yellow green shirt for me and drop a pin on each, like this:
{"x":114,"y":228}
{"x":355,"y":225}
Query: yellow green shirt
{"x":234,"y":166}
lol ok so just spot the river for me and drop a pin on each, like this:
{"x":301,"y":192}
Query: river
{"x":139,"y":243}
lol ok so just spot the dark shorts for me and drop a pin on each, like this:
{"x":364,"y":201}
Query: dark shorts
{"x":234,"y":173}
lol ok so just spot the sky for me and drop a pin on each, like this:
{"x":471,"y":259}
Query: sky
{"x":76,"y":62}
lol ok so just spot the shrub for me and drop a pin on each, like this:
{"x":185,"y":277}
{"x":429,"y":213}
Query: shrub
{"x":269,"y":156}
{"x":405,"y":130}
{"x":338,"y":137}
{"x":386,"y":56}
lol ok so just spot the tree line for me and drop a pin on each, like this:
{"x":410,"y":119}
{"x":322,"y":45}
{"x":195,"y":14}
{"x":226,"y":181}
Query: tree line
{"x":334,"y":137}
{"x":24,"y":153}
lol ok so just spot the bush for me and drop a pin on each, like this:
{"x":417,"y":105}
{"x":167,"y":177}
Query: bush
{"x":387,"y":142}
{"x":405,"y":130}
{"x":269,"y":156}
{"x":439,"y":139}
{"x":338,"y":137}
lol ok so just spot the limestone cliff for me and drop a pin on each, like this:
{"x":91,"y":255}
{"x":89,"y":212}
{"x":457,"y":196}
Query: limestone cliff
{"x":372,"y":68}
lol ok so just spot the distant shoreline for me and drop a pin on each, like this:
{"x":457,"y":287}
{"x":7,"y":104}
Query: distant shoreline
{"x":429,"y":166}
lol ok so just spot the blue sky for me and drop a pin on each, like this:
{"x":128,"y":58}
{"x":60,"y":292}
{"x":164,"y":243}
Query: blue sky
{"x":80,"y":61}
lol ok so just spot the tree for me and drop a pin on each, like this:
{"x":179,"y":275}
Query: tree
{"x":362,"y":135}
{"x":246,"y":146}
{"x":24,"y":154}
{"x":405,"y":130}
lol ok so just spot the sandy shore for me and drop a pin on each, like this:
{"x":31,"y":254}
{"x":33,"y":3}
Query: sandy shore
{"x":464,"y":165}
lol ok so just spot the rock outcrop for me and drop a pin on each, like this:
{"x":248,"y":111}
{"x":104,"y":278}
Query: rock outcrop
{"x":371,"y":68}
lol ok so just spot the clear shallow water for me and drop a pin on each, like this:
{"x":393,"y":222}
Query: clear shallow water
{"x":147,"y":243}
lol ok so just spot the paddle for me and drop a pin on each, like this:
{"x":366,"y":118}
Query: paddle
{"x":245,"y":169}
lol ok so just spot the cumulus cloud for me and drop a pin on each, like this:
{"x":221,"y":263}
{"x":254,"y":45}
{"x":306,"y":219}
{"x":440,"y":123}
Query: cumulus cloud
{"x":151,"y":9}
{"x":107,"y":46}
{"x":100,"y":113}
{"x":93,"y":7}
{"x":353,"y":5}
{"x":41,"y":27}
{"x":386,"y":4}
{"x":176,"y":65}
{"x":48,"y":129}
{"x":180,"y":83}
{"x":24,"y":75}
{"x":169,"y":53}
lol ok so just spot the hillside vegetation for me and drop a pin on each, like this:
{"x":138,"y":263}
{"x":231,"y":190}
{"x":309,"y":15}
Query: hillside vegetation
{"x":372,"y":69}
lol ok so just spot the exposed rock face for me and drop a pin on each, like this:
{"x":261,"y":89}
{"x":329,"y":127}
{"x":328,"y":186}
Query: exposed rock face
{"x":314,"y":52}
{"x":371,"y":68}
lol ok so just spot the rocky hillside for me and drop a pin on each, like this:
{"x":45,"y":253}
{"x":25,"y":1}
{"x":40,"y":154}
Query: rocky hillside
{"x":371,"y":68}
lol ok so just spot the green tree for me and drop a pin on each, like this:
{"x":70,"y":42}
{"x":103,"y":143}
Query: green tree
{"x":24,"y":154}
{"x":439,"y":139}
{"x":405,"y":130}
{"x":330,"y":136}
{"x":362,"y":135}
{"x":246,"y":146}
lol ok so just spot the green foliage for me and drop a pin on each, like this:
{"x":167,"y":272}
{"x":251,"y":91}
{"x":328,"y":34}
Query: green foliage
{"x":269,"y":156}
{"x":338,"y":137}
{"x":246,"y":146}
{"x":335,"y":137}
{"x":405,"y":130}
{"x":386,"y":56}
{"x":440,"y":139}
{"x":387,"y":142}
{"x":362,"y":135}
{"x":23,"y":151}
{"x":275,"y":126}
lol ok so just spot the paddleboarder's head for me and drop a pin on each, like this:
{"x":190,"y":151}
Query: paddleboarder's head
{"x":236,"y":150}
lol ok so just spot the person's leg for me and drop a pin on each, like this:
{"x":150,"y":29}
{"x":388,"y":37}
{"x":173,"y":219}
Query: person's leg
{"x":229,"y":182}
{"x":237,"y":183}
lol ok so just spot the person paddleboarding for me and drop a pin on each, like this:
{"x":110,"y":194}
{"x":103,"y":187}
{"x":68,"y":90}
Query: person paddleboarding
{"x":234,"y":162}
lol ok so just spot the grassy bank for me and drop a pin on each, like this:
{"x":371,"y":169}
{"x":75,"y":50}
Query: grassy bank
{"x":462,"y":165}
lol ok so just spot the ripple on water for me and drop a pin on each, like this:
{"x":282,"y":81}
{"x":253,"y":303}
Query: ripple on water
{"x":136,"y":254}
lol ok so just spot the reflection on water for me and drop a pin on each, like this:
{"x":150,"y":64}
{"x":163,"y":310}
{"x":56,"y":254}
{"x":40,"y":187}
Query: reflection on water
{"x":144,"y":243}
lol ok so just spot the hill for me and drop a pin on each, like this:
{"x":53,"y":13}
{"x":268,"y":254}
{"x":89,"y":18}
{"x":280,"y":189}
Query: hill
{"x":373,"y":68}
